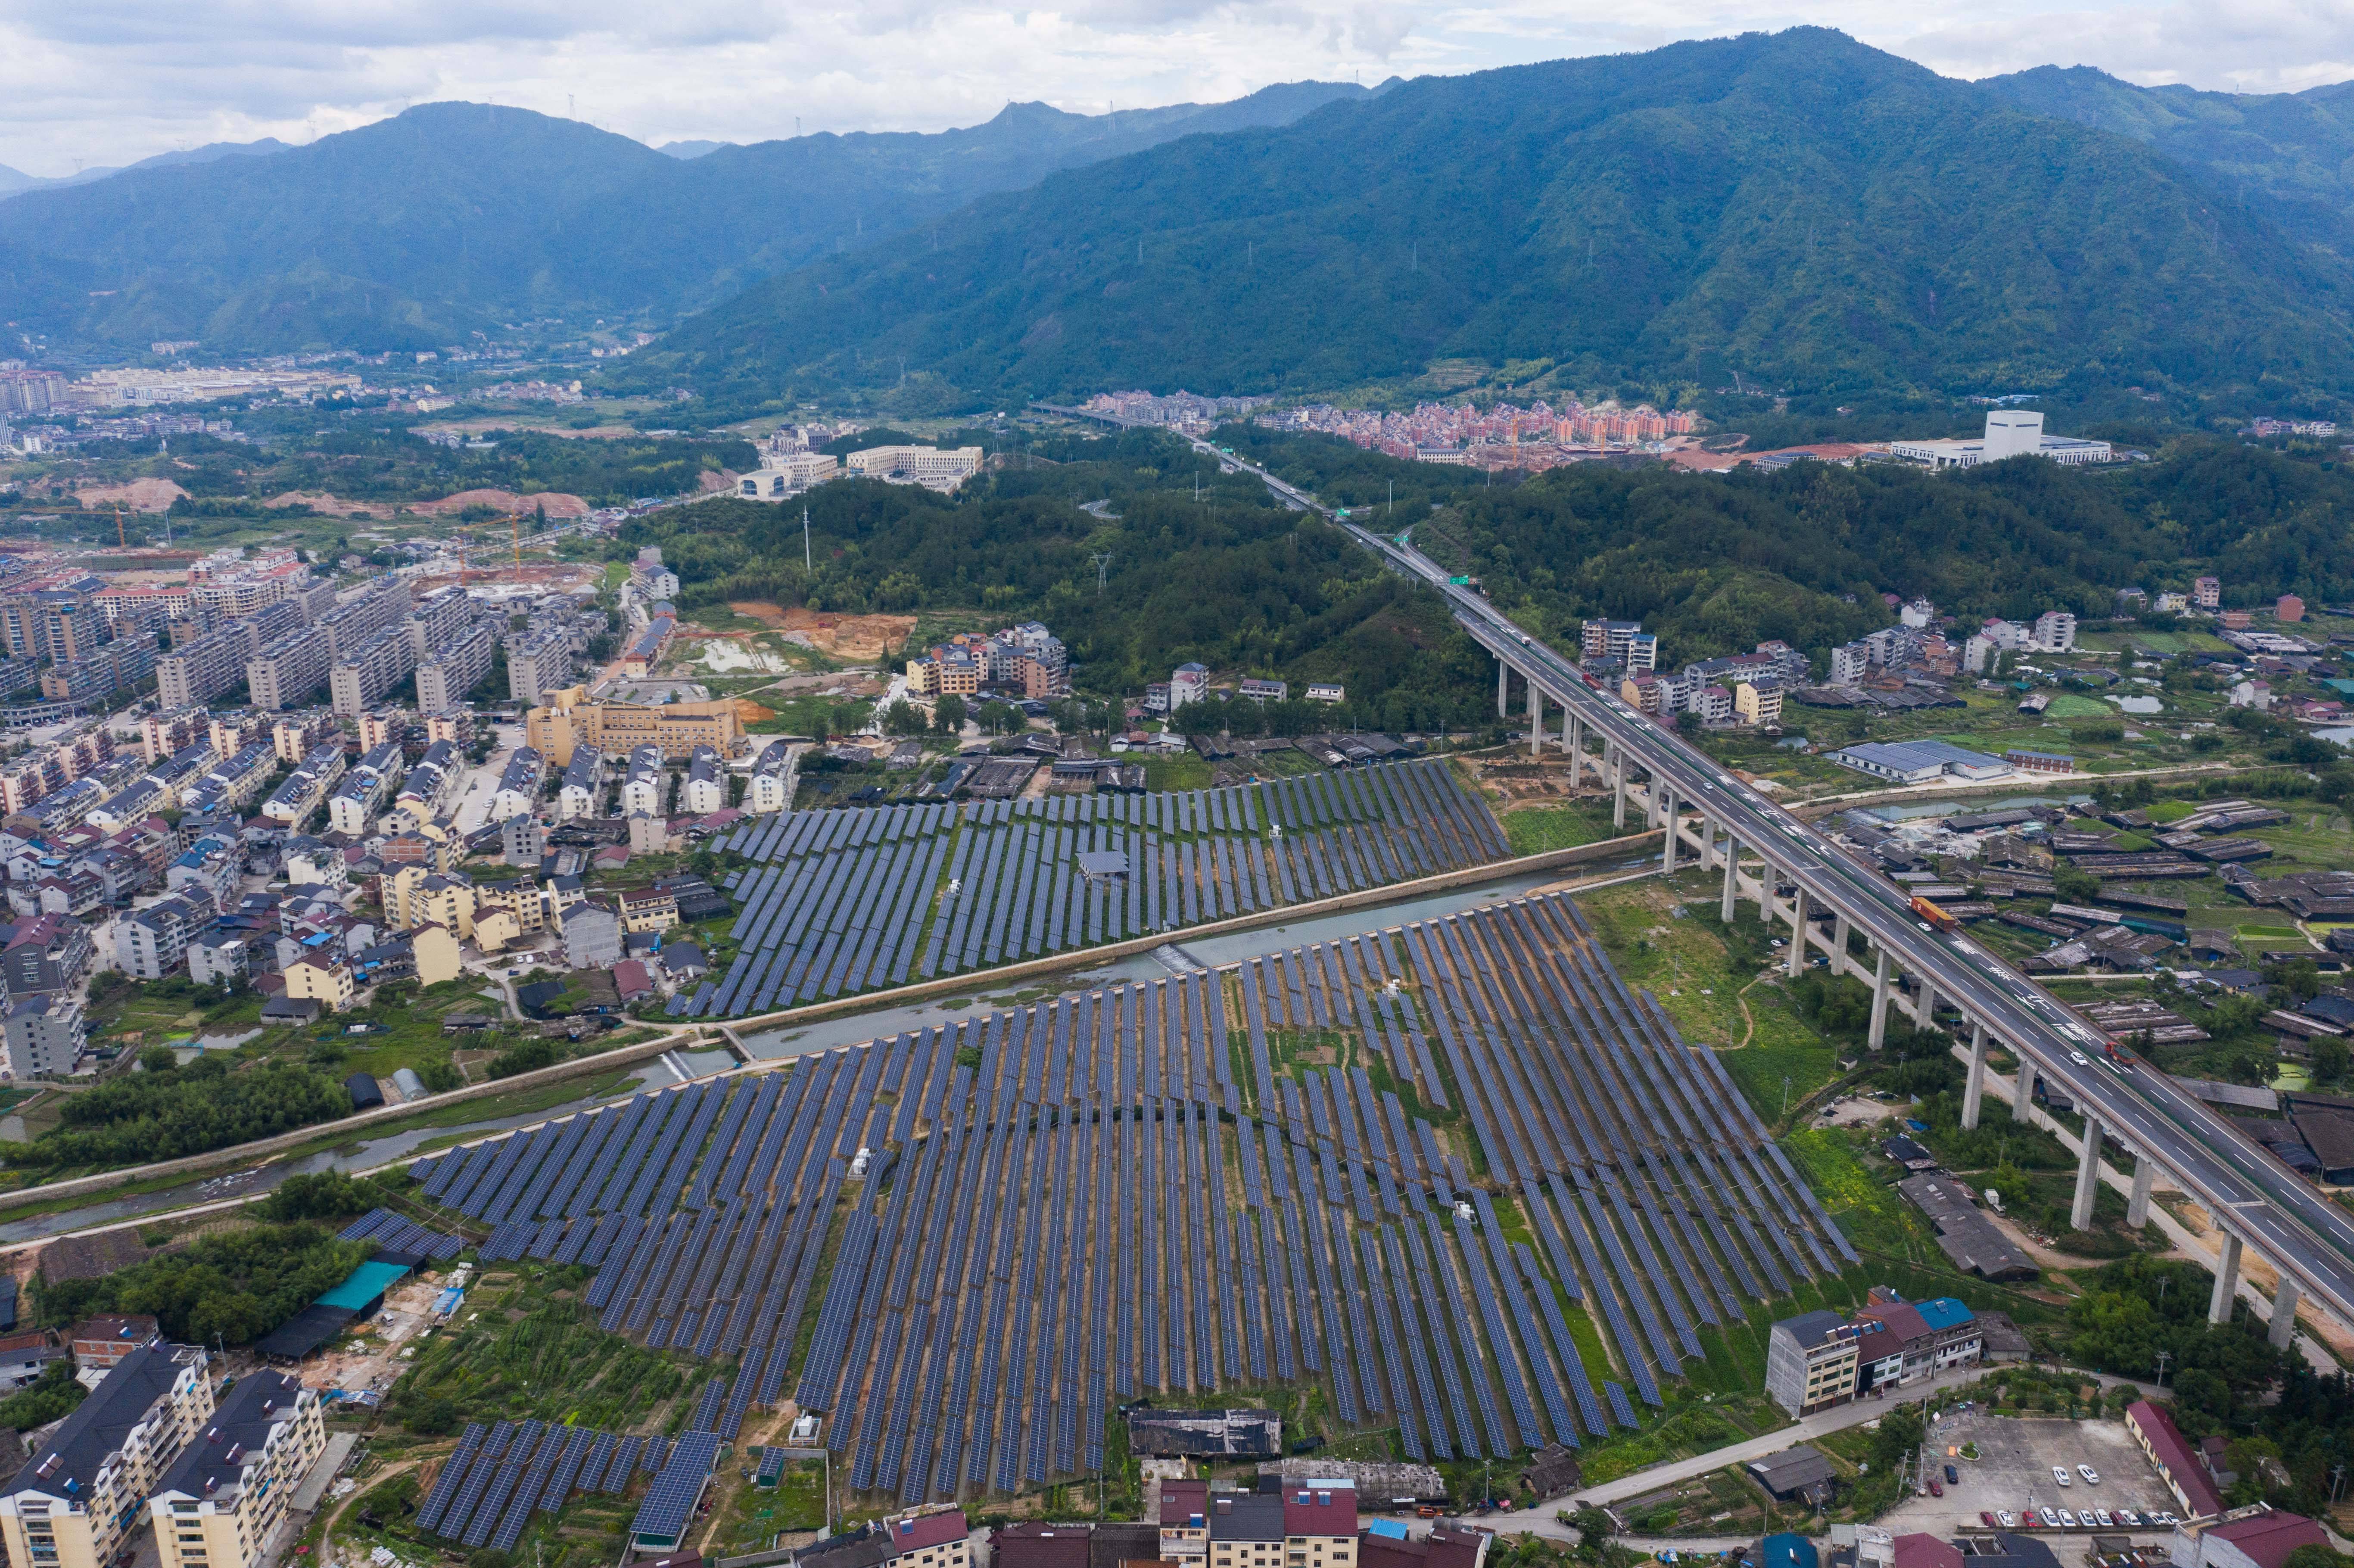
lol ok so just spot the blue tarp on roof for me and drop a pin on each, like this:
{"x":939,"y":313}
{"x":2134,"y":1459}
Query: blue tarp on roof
{"x":1943,"y":1312}
{"x":368,"y":1283}
{"x":1788,"y":1551}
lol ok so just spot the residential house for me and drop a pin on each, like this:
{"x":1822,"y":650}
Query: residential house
{"x":152,"y":942}
{"x":1812,"y":1362}
{"x":593,"y":935}
{"x":328,"y":984}
{"x":45,"y":1035}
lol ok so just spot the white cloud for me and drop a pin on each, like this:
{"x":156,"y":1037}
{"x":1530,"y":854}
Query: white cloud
{"x":119,"y":79}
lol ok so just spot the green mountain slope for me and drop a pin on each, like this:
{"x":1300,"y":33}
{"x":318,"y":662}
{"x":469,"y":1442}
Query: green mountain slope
{"x":2288,"y":155}
{"x":1795,"y":206}
{"x":455,"y":212}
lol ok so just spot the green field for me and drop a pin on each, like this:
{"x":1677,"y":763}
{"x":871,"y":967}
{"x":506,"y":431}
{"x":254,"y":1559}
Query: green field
{"x":1533,"y":830}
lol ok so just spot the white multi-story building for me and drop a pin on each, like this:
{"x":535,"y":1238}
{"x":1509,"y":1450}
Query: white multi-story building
{"x":584,"y":779}
{"x":771,"y":780}
{"x":1188,"y":684}
{"x":706,"y":782}
{"x":152,"y":942}
{"x":646,"y":791}
{"x":2010,"y":433}
{"x":2055,"y":632}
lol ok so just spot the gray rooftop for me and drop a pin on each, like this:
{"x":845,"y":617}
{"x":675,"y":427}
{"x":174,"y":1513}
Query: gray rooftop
{"x":100,"y":1422}
{"x":242,"y":1423}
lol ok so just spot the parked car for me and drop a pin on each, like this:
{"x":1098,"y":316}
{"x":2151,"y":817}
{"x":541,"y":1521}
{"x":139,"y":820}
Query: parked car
{"x":2091,"y":1477}
{"x":2127,"y":1516}
{"x":2067,"y":1520}
{"x":1937,"y":1487}
{"x":1953,"y":1476}
{"x":2060,"y":1474}
{"x":1985,"y":1518}
{"x":2005,"y":1518}
{"x":2106,"y":1521}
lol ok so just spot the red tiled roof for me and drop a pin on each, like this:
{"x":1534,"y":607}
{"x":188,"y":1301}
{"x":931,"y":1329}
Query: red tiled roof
{"x":2175,"y":1453}
{"x":1926,"y":1552}
{"x":2269,"y":1538}
{"x":1184,"y":1500}
{"x":1901,"y":1318}
{"x":927,"y":1530}
{"x":1308,"y":1511}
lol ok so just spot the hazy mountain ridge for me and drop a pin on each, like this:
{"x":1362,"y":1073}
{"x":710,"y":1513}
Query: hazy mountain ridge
{"x":2288,"y":155}
{"x":471,"y":212}
{"x":1796,"y":206}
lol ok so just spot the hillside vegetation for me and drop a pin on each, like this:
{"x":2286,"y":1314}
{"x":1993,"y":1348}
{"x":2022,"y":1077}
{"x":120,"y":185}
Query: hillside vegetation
{"x":1231,"y":581}
{"x":457,"y":218}
{"x":1794,"y":207}
{"x":1716,"y":563}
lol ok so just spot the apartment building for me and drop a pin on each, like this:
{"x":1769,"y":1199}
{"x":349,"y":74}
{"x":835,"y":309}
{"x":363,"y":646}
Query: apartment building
{"x":45,"y":1034}
{"x":194,"y":672}
{"x":383,"y":606}
{"x":706,"y":782}
{"x":455,"y":667}
{"x":646,"y":791}
{"x":437,"y":619}
{"x":287,"y":668}
{"x":228,"y":786}
{"x":367,"y":671}
{"x":1901,"y":1341}
{"x":144,"y":608}
{"x":75,"y":1503}
{"x":305,"y":790}
{"x":569,"y":720}
{"x":79,"y":1498}
{"x":519,"y":784}
{"x":152,"y":942}
{"x":1812,"y":1362}
{"x":238,"y":729}
{"x":647,"y":910}
{"x":1188,"y":682}
{"x":170,"y":730}
{"x":539,"y":661}
{"x":363,"y":790}
{"x":2207,"y":593}
{"x":650,"y":577}
{"x":2055,"y":632}
{"x":426,"y":794}
{"x":584,"y":779}
{"x":221,"y":1504}
{"x":124,"y":662}
{"x":296,"y":735}
{"x":771,"y":778}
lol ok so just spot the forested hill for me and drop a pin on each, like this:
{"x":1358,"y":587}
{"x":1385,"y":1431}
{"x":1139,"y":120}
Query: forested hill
{"x":413,"y":231}
{"x":1716,"y":563}
{"x":2290,"y":155}
{"x":1795,"y":206}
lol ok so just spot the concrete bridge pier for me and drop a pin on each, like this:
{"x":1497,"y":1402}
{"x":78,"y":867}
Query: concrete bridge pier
{"x":2227,"y":1280}
{"x":2088,"y":1176}
{"x":1880,"y":1002}
{"x":1974,"y":1087}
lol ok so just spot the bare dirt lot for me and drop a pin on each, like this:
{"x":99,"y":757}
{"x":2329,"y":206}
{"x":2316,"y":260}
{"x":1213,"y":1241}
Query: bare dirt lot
{"x":2014,"y":1466}
{"x":835,"y":636}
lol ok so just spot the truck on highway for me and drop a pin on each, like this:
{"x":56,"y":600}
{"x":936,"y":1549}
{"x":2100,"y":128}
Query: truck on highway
{"x":1934,"y":915}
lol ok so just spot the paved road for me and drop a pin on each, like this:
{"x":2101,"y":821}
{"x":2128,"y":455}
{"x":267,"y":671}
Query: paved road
{"x":2304,"y":1234}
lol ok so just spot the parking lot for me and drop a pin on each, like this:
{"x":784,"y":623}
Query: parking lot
{"x":2014,"y":1468}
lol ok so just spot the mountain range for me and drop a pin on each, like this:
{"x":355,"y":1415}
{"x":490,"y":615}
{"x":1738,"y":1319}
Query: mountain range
{"x":13,"y":180}
{"x":1794,"y":206}
{"x":453,"y":217}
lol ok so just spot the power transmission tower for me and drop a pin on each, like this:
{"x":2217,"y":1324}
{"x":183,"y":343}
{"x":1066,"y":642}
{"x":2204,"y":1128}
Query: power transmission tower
{"x":806,"y":564}
{"x":1101,"y":562}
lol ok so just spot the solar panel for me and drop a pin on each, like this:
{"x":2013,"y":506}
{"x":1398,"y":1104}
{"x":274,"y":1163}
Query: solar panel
{"x":670,"y":1500}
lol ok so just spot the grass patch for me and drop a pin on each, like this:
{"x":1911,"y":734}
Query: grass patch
{"x":1535,"y":830}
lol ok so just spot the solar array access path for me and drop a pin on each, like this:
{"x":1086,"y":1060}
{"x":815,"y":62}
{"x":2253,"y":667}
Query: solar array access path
{"x":842,"y":901}
{"x":1315,"y":1165}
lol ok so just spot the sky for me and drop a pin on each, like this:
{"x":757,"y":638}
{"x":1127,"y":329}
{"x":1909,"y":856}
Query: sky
{"x":108,"y":81}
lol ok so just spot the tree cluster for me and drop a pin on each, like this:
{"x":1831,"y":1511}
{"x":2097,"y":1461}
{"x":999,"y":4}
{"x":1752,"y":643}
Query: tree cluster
{"x":163,"y":1112}
{"x":235,"y":1285}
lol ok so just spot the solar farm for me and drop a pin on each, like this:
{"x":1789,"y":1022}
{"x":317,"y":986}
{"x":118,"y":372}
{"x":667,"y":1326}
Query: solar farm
{"x":965,"y":1246}
{"x":840,"y":902}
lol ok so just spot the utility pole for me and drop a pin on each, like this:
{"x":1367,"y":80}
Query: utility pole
{"x":805,"y":563}
{"x":2163,"y":1357}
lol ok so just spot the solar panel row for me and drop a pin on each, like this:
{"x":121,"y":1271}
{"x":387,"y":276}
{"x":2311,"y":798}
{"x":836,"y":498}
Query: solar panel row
{"x":1042,"y":1224}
